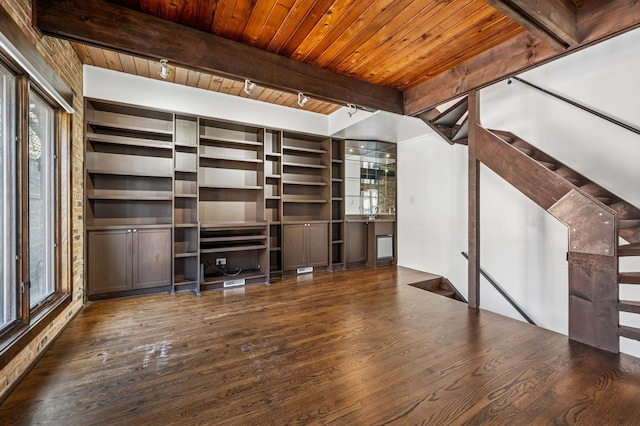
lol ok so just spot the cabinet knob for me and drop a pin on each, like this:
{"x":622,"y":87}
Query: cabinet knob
{"x":128,"y":230}
{"x":135,"y":230}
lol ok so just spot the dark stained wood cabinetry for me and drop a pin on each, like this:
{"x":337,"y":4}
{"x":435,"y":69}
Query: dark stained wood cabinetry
{"x":109,"y":260}
{"x":305,"y":245}
{"x":128,"y":259}
{"x":356,"y":240}
{"x":225,"y":203}
{"x":128,"y":197}
{"x":363,"y":239}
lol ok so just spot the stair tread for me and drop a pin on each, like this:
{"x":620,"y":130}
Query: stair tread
{"x":629,"y":306}
{"x":548,"y":165}
{"x":462,"y":132}
{"x":629,"y":250}
{"x":452,"y":115}
{"x":629,"y":277}
{"x":629,"y":332}
{"x":575,"y":181}
{"x":629,"y":223}
{"x":524,"y":150}
{"x":443,"y":292}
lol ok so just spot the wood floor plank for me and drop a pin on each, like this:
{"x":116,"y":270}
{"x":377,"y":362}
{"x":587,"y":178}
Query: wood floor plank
{"x":354,"y":347}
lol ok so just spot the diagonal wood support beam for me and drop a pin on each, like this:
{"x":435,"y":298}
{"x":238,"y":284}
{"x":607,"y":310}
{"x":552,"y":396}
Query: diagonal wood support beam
{"x":552,"y":21}
{"x":597,"y":21}
{"x":102,"y":24}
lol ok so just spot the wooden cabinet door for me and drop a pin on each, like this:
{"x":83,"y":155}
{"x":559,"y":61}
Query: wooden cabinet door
{"x":317,"y":244}
{"x":109,"y":263}
{"x":293,"y":247}
{"x":356,"y":242}
{"x":151,"y":258}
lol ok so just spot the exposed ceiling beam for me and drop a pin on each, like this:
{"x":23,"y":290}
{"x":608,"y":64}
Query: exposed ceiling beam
{"x":21,"y":50}
{"x":597,"y":21}
{"x":109,"y":26}
{"x":552,"y":21}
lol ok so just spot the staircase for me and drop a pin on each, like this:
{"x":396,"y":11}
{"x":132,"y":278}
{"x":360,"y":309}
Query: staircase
{"x":603,"y":227}
{"x":625,"y":237}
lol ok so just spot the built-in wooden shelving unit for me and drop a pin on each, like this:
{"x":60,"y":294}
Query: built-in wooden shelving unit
{"x":188,"y":203}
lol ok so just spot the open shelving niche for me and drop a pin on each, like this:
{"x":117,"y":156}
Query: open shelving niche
{"x":234,"y":236}
{"x":337,"y":255}
{"x":128,"y":166}
{"x":186,"y":253}
{"x":273,"y":198}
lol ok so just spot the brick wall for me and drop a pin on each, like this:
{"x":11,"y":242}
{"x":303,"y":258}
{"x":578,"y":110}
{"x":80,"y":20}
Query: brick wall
{"x":61,"y":56}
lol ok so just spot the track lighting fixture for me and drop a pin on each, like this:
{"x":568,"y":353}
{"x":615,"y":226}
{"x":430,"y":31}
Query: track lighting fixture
{"x":249,"y":86}
{"x":164,"y":69}
{"x":351,"y":109}
{"x":302,"y":99}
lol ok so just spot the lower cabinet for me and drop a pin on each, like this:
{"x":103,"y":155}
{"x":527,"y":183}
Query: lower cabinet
{"x":305,"y":245}
{"x":128,"y":259}
{"x":356,"y":242}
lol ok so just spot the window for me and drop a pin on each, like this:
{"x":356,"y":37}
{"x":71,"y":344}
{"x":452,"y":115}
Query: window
{"x":41,"y":200}
{"x":29,"y":208}
{"x":8,"y":306}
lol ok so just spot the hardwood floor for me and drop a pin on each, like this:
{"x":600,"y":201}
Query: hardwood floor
{"x":357,"y":348}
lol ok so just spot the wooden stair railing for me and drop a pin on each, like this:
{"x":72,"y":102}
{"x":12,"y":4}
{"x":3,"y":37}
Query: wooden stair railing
{"x":595,"y":218}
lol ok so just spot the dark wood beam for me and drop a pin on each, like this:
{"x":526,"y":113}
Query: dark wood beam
{"x":552,"y":21}
{"x":473,"y":231}
{"x":517,"y":54}
{"x":109,"y":26}
{"x":597,"y":21}
{"x":13,"y":35}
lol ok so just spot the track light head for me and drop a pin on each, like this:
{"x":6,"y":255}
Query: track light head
{"x":249,"y":86}
{"x":302,"y":99}
{"x":164,"y":69}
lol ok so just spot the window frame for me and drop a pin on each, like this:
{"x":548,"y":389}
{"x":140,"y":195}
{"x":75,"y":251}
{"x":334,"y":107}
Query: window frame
{"x":31,"y":322}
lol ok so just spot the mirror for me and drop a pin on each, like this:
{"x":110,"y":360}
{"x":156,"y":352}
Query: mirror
{"x":370,"y":178}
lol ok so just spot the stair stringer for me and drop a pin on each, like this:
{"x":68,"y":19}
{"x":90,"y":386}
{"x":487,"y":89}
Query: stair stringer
{"x":593,"y":283}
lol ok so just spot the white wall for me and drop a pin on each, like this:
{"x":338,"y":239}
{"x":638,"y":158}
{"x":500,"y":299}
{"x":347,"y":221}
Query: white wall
{"x":116,"y":86}
{"x":432,"y":213}
{"x":522,"y":246}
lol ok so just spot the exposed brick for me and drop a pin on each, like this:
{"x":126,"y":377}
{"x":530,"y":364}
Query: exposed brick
{"x":64,"y":60}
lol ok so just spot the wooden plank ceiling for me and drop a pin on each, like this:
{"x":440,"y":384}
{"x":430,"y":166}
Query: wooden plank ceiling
{"x":399,"y":55}
{"x":118,"y":61}
{"x":385,"y":42}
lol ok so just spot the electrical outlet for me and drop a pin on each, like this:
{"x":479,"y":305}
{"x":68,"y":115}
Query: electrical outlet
{"x":221,"y":261}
